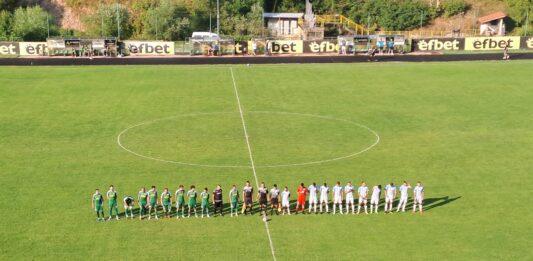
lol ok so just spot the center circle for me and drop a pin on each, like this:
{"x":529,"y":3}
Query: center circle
{"x":278,"y":139}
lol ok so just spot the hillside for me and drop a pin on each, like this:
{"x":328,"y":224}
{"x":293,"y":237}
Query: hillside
{"x":477,"y":8}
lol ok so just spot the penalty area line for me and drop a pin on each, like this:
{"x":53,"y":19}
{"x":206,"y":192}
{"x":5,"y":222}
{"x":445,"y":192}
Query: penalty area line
{"x":252,"y":164}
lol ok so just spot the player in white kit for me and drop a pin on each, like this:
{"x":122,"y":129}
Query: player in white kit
{"x":324,"y":192}
{"x":337,"y":197}
{"x":285,"y":201}
{"x":418,"y":193}
{"x":313,"y":200}
{"x":390,"y":194}
{"x":374,"y":201}
{"x":348,"y":192}
{"x":362,"y":191}
{"x":404,"y":188}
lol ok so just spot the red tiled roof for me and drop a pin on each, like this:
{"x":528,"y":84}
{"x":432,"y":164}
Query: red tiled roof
{"x":492,"y":17}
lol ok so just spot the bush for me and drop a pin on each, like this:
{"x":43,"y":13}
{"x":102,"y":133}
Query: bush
{"x":32,"y":24}
{"x":454,"y":7}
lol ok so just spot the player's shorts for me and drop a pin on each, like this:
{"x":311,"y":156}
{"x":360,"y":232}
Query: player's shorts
{"x":167,"y":206}
{"x":419,"y":200}
{"x":337,"y":200}
{"x":235,"y":204}
{"x":218,"y":204}
{"x":349,"y":199}
{"x":180,"y":203}
{"x":263,"y":201}
{"x":248,"y":201}
{"x":301,"y":201}
{"x":362,"y":200}
{"x":143,"y":204}
{"x":112,"y":203}
{"x":192,"y":204}
{"x":98,"y":208}
{"x":285,"y":203}
{"x":323,"y":199}
{"x":403,"y":199}
{"x":312,"y":200}
{"x":274,"y":201}
{"x":153,"y":204}
{"x":389,"y":199}
{"x":374,"y":201}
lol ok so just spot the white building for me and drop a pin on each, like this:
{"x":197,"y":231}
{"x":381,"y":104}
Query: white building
{"x":492,"y":24}
{"x":283,"y":24}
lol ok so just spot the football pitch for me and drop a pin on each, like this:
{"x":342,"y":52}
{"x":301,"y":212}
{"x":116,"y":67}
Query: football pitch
{"x":464,"y":129}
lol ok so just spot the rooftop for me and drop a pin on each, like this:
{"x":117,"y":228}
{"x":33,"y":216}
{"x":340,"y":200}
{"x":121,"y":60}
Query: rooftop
{"x":492,"y":17}
{"x":283,"y":15}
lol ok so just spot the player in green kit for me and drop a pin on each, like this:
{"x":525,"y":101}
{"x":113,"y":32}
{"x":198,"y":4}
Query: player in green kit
{"x":191,"y":194}
{"x":205,"y":202}
{"x":180,"y":201}
{"x":112,"y":200}
{"x":234,"y":201}
{"x":166,"y":202}
{"x":152,"y":199}
{"x":143,"y":202}
{"x":96,"y":202}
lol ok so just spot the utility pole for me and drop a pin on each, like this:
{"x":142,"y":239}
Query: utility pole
{"x":48,"y":24}
{"x":156,"y":28}
{"x":118,"y":22}
{"x":527,"y":22}
{"x":218,"y":17}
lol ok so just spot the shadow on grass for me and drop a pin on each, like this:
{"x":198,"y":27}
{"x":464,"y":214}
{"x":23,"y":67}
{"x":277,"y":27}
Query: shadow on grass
{"x":429,"y":204}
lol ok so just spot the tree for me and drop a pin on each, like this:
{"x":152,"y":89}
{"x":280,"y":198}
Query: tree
{"x":167,"y":21}
{"x":32,"y":24}
{"x":110,"y":20}
{"x":519,"y":9}
{"x":5,"y":24}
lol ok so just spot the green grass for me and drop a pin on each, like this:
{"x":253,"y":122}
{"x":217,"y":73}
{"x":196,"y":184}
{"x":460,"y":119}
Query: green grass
{"x":464,"y":129}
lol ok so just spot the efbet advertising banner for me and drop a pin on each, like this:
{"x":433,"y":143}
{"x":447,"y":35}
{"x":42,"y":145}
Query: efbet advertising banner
{"x":241,"y":48}
{"x":9,"y":48}
{"x":324,"y":46}
{"x":286,"y":46}
{"x":150,"y":47}
{"x":33,"y":48}
{"x":492,"y":43}
{"x":527,"y":42}
{"x":438,"y":44}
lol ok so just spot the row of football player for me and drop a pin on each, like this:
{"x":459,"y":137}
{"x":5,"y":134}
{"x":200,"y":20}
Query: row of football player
{"x":315,"y":196}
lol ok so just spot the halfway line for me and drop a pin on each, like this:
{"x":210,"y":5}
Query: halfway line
{"x":251,"y":159}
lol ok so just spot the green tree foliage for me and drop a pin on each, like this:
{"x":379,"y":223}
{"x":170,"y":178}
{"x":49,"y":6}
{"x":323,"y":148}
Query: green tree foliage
{"x":454,"y":7}
{"x":519,"y":9}
{"x":32,"y":23}
{"x":8,"y":5}
{"x":106,"y":20}
{"x":167,"y":21}
{"x":242,"y":19}
{"x":5,"y":25}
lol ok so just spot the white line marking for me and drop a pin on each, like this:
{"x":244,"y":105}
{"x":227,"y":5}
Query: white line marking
{"x":251,"y":159}
{"x":353,"y":154}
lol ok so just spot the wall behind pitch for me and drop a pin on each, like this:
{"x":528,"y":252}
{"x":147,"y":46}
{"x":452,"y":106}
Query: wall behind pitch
{"x":149,"y":47}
